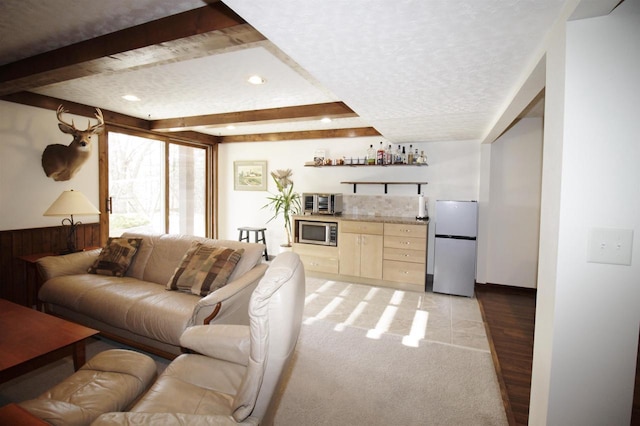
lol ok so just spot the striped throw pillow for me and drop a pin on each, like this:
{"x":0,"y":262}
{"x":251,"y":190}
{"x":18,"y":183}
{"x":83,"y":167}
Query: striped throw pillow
{"x":204,"y":269}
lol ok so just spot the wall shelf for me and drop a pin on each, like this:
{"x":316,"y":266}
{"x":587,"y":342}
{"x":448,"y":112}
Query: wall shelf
{"x":366,"y":165}
{"x":355,"y":184}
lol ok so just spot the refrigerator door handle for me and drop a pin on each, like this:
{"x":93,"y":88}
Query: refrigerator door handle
{"x":455,"y":237}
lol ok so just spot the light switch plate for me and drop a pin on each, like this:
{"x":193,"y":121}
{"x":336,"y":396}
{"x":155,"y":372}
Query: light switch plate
{"x":611,"y":246}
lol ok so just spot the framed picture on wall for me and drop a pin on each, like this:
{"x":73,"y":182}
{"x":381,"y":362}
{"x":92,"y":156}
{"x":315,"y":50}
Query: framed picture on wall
{"x":250,"y":175}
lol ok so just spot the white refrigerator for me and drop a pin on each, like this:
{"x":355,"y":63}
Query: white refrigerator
{"x":454,"y":267}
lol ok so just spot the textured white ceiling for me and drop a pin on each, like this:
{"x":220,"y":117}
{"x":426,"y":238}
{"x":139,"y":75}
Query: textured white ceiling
{"x":416,"y":70}
{"x":199,"y":86}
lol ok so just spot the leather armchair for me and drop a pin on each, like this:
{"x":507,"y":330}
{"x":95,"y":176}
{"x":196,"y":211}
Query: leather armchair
{"x":237,"y":368}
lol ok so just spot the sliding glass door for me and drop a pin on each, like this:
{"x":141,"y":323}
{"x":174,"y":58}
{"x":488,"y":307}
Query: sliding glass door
{"x":156,"y":186}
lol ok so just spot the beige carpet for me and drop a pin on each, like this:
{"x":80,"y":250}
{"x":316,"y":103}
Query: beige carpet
{"x":345,"y":378}
{"x":366,"y":356}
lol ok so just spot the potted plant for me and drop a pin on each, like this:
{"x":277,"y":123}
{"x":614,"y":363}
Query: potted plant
{"x":286,"y":202}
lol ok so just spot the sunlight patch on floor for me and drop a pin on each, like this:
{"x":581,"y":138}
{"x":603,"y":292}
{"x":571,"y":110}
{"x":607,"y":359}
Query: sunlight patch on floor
{"x":326,"y":311}
{"x":383,"y":323}
{"x":353,"y":316}
{"x":418,"y":329}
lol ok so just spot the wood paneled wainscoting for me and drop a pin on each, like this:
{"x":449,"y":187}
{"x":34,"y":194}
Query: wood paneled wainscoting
{"x":14,"y":272}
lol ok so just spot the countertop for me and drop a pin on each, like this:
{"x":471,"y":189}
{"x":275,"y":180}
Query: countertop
{"x":365,"y":218}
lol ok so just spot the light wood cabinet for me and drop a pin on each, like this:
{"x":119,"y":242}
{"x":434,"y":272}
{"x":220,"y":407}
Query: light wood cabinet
{"x":318,"y":258}
{"x":370,"y":252}
{"x":405,"y":254}
{"x":360,"y":249}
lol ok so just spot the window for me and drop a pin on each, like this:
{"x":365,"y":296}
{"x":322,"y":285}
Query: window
{"x":156,"y":186}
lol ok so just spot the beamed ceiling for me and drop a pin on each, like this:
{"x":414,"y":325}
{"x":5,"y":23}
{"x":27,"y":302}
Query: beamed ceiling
{"x":405,"y":71}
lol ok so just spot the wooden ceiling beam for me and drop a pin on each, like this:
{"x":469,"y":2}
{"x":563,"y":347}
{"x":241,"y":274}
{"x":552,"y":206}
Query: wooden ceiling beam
{"x":273,"y":115}
{"x":48,"y":102}
{"x":301,"y":135}
{"x":190,"y":34}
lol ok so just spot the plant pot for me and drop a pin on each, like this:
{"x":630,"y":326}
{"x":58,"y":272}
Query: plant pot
{"x":285,"y":248}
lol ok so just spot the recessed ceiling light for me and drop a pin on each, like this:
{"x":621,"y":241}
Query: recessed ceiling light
{"x":256,"y":79}
{"x":131,"y":98}
{"x":231,"y":127}
{"x":326,"y":120}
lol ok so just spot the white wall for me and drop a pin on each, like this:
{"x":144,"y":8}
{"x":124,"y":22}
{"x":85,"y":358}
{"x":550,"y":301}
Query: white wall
{"x":25,"y":191}
{"x":588,"y":314}
{"x":453,"y":173}
{"x":513,"y":211}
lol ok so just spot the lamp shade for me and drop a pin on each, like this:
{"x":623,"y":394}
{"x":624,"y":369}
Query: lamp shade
{"x":71,"y":203}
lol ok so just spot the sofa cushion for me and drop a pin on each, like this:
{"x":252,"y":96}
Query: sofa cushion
{"x":115,"y":257}
{"x":160,"y":255}
{"x":140,"y":307}
{"x":204,"y":269}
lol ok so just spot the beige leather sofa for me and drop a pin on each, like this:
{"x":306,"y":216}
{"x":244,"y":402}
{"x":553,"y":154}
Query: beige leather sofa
{"x":233,"y":377}
{"x":136,"y":309}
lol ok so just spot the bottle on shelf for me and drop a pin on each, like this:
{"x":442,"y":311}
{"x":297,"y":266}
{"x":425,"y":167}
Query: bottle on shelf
{"x":398,"y":156}
{"x":380,"y":155}
{"x":371,"y":155}
{"x":404,"y":156}
{"x":388,"y":155}
{"x":410,"y":155}
{"x":422,"y":159}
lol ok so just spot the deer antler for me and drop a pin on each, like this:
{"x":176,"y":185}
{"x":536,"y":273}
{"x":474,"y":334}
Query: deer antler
{"x":59,"y":113}
{"x":100,"y":123}
{"x":90,"y":128}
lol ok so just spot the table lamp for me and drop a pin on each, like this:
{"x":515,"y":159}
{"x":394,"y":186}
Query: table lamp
{"x":67,"y":204}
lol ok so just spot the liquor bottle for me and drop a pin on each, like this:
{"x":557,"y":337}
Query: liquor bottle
{"x":404,"y":156}
{"x":371,"y":155}
{"x":389,"y":155}
{"x":410,"y":155}
{"x":380,"y":155}
{"x":398,"y":156}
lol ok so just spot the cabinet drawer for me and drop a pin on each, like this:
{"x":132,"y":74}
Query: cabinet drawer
{"x":405,"y":243}
{"x":320,"y":264}
{"x":315,"y":250}
{"x":405,"y":255}
{"x":417,"y":231}
{"x":361,"y":227}
{"x":403,"y":272}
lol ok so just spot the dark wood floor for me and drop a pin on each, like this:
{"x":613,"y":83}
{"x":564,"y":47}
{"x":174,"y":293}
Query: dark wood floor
{"x":509,"y":315}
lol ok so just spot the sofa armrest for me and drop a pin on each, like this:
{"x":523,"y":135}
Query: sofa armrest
{"x":227,"y":342}
{"x":68,"y":264}
{"x":233,"y":298}
{"x":168,"y":419}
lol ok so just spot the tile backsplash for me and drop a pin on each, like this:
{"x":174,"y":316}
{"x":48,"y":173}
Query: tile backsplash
{"x":381,"y":205}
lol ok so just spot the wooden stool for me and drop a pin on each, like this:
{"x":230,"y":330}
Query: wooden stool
{"x":244,"y":236}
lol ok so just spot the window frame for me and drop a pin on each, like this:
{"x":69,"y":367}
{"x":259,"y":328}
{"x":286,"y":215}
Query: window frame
{"x":211,"y":168}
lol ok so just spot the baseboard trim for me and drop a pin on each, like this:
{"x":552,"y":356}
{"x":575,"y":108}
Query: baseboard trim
{"x":497,"y":288}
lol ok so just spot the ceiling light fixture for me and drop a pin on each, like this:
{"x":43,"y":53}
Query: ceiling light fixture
{"x":256,"y":79}
{"x":326,"y":120}
{"x":131,"y":98}
{"x":231,"y":127}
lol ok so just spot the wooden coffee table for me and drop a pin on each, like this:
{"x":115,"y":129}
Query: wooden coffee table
{"x":30,"y":339}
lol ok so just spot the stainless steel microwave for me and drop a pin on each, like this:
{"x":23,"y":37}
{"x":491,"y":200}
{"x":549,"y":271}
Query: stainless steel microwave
{"x":318,"y":203}
{"x":321,"y":233}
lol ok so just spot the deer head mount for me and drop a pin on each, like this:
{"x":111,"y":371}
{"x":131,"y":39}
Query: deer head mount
{"x":62,"y":162}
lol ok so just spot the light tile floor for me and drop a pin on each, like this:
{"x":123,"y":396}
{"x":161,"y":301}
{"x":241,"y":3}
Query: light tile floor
{"x":415,"y":316}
